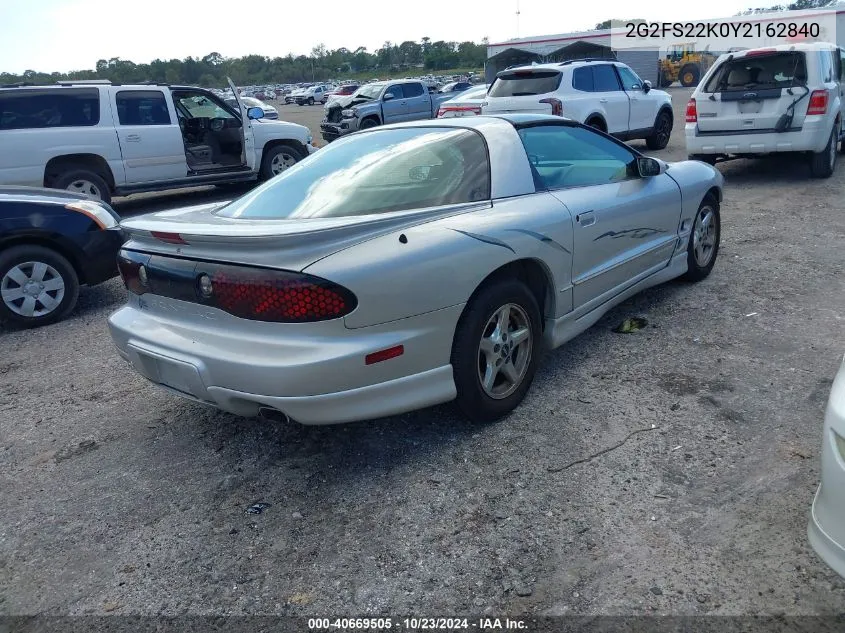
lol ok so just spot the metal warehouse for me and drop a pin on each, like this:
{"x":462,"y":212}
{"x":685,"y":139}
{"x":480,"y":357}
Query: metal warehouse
{"x":559,"y":48}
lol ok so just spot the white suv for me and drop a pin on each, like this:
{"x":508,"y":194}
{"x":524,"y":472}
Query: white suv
{"x":604,"y":94}
{"x":103,"y":140}
{"x":786,"y":98}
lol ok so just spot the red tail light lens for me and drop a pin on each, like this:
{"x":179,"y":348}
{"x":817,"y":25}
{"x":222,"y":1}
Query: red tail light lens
{"x":440,"y":112}
{"x":557,"y":106}
{"x":278,"y":296}
{"x":692,"y":112}
{"x":761,"y":51}
{"x":818,"y":102}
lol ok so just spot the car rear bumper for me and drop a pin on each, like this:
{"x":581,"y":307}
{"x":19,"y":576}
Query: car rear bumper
{"x":812,"y":137}
{"x":827,"y":518}
{"x":314,"y":373}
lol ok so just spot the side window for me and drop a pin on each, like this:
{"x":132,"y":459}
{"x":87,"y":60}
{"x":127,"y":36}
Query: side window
{"x":142,"y":107}
{"x":630,"y":81}
{"x":396,"y":91}
{"x":412,"y":90}
{"x":841,"y":54}
{"x":53,"y":107}
{"x":569,"y":156}
{"x":198,"y":105}
{"x":582,"y":79}
{"x":826,"y":66}
{"x":604,"y":79}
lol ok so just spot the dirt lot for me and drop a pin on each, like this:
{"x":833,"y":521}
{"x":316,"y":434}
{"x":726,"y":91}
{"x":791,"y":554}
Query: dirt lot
{"x":666,"y":471}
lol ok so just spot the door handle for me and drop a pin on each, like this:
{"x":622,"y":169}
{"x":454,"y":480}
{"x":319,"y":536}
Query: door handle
{"x":602,"y":100}
{"x":588,"y":218}
{"x":133,"y":138}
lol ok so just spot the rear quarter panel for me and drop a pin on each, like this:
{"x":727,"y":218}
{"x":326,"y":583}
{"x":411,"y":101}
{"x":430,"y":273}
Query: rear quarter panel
{"x":695,"y":180}
{"x":444,"y":262}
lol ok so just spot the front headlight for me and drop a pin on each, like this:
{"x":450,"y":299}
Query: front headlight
{"x":349,"y":114}
{"x":94,"y":210}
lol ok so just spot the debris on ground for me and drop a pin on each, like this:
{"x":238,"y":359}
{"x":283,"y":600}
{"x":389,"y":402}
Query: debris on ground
{"x":257,"y":508}
{"x":631,"y":324}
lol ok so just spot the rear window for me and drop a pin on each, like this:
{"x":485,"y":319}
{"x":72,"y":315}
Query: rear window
{"x":376,"y":172}
{"x":52,"y":107}
{"x":521,"y":83}
{"x":758,"y":72}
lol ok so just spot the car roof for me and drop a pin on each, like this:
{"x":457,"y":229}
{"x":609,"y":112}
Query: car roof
{"x":475,"y":122}
{"x":559,"y":66}
{"x":787,"y":48}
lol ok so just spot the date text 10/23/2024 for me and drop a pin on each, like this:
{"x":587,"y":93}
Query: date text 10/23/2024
{"x":416,"y":624}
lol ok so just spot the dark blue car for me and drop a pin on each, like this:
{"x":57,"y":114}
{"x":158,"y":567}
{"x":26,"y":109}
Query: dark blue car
{"x":51,"y":243}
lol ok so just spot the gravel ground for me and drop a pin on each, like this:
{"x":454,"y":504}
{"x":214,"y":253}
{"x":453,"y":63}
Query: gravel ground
{"x":667,"y":471}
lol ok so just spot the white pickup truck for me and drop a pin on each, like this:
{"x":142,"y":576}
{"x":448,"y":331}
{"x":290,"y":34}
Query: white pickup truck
{"x":105,"y":139}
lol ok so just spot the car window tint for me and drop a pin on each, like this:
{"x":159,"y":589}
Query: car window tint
{"x":570,"y":156}
{"x":412,"y":90}
{"x":147,"y":107}
{"x":604,"y":79}
{"x":520,"y":83}
{"x":57,"y":107}
{"x":582,"y":79}
{"x":630,"y":81}
{"x":377,"y":172}
{"x":396,"y":91}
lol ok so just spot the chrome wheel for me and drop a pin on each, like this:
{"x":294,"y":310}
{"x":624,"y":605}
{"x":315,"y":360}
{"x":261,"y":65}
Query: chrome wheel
{"x":32,"y":289}
{"x":504,"y":352}
{"x":281,"y":162}
{"x":704,"y":236}
{"x":85,"y":187}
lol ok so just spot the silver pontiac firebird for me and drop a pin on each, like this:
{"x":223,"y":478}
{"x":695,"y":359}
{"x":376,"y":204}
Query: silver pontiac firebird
{"x":406,"y":266}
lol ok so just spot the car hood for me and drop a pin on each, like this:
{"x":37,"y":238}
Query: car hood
{"x":347,"y":102}
{"x":39,"y":194}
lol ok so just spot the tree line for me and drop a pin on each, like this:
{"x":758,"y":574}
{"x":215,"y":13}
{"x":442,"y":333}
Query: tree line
{"x":322,"y":64}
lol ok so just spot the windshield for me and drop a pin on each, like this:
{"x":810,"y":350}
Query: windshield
{"x":376,"y":172}
{"x":369,"y":92}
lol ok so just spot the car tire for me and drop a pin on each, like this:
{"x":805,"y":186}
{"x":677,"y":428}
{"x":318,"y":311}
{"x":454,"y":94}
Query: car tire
{"x":823,"y":163}
{"x":710,"y":159}
{"x":703,"y":245}
{"x":276,"y":157}
{"x":19,"y":270}
{"x":597,"y":124}
{"x":310,"y":101}
{"x":659,"y":138}
{"x":479,"y":323}
{"x":689,"y":75}
{"x":85,"y":182}
{"x":366,"y":124}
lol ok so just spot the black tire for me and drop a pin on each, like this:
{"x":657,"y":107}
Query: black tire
{"x":366,"y":124}
{"x":24,"y":254}
{"x":710,"y":159}
{"x":663,"y":81}
{"x":597,"y":124}
{"x":310,"y":101}
{"x":696,"y":268}
{"x":83,"y":181}
{"x":285,"y":152}
{"x":823,"y":163}
{"x":472,"y":398}
{"x":689,"y":75}
{"x":659,"y":138}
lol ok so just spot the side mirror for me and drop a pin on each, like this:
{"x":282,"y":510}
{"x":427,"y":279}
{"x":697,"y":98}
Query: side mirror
{"x":255,"y":113}
{"x":649,"y":167}
{"x":387,"y":96}
{"x":646,"y":86}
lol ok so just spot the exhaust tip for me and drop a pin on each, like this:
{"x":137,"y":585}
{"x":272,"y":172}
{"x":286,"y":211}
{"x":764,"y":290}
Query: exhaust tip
{"x":269,"y":414}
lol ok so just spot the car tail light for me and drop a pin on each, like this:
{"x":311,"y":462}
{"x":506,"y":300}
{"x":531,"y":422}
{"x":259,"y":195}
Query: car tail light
{"x":275,"y":295}
{"x":130,"y":266}
{"x":385,"y":354}
{"x":760,"y":51}
{"x":692,"y":112}
{"x":557,"y":106}
{"x":440,"y":113}
{"x":258,"y":294}
{"x":170,"y":238}
{"x":818,"y":102}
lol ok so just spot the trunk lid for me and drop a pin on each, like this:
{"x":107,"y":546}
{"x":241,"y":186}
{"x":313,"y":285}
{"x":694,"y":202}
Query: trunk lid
{"x":289,"y":244}
{"x":752,"y":93}
{"x":522,"y":90}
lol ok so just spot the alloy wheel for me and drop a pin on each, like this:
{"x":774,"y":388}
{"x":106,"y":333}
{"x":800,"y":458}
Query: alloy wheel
{"x":281,"y":162}
{"x":704,"y":236}
{"x":504,"y":352}
{"x":32,"y":289}
{"x":85,"y":187}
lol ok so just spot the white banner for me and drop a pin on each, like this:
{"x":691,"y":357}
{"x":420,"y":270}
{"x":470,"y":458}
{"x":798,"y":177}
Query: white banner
{"x":728,"y":34}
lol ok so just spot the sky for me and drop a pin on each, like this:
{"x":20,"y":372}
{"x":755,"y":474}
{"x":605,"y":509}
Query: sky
{"x":64,"y":35}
